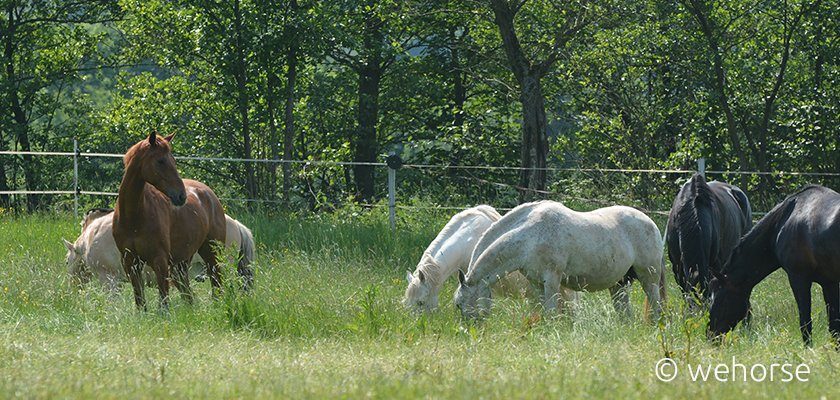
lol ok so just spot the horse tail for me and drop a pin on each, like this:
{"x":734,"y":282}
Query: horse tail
{"x":246,"y":255}
{"x":694,"y":228}
{"x":663,"y":286}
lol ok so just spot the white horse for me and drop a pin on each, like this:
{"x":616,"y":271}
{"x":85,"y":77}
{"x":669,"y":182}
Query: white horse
{"x":554,"y":246}
{"x":95,"y":252}
{"x":451,"y":251}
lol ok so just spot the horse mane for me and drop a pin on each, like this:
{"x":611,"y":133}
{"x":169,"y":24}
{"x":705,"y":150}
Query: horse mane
{"x":97,"y":212}
{"x":431,"y":269}
{"x":94,"y":214}
{"x":489,"y":211}
{"x":697,"y":200}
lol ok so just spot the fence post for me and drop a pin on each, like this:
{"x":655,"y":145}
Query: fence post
{"x":394,"y":163}
{"x":76,"y":177}
{"x":701,"y":167}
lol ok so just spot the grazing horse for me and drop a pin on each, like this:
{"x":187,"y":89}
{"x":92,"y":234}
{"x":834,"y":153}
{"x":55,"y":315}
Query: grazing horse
{"x":704,"y":225}
{"x":802,"y":236}
{"x":555,"y":246}
{"x":162,"y":221}
{"x":449,"y":252}
{"x":95,"y":252}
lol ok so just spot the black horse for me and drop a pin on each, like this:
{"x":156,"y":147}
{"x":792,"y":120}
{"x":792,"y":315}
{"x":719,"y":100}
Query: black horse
{"x":802,"y":236}
{"x":704,"y":225}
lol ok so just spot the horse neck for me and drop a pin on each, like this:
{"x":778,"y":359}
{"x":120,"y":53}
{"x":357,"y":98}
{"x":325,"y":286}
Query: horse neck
{"x":130,"y":198}
{"x":487,"y":267}
{"x":758,"y":252}
{"x":453,"y":246}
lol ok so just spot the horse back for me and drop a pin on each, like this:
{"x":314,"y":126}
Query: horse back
{"x":807,"y":240}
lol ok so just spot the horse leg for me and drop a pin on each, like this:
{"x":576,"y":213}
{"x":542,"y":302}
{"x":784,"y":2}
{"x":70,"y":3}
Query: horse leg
{"x":551,"y":285}
{"x":654,"y":299}
{"x":132,"y":265}
{"x":161,"y":268}
{"x":802,"y":293}
{"x":209,"y":256}
{"x":831,"y":295}
{"x":621,"y":297}
{"x":181,"y":278}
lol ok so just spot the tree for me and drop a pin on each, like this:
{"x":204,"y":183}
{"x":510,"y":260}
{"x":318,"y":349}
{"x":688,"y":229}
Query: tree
{"x":716,"y":23}
{"x":383,"y":36}
{"x":529,"y":66}
{"x":44,"y":49}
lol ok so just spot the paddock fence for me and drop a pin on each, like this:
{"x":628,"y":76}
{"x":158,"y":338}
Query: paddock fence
{"x":395,"y":166}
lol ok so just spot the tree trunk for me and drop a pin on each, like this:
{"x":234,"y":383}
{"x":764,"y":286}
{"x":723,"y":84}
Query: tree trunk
{"x":289,"y":132}
{"x":4,"y":183}
{"x":243,"y":101}
{"x":365,"y":146}
{"x":534,"y":150}
{"x":534,"y":147}
{"x":20,"y":124}
{"x":370,"y":77}
{"x":272,"y":83}
{"x":720,"y":86}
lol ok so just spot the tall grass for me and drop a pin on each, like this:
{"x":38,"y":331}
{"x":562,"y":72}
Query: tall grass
{"x":324,"y":320}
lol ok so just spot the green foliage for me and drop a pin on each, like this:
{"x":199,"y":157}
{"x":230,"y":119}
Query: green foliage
{"x":635,"y":89}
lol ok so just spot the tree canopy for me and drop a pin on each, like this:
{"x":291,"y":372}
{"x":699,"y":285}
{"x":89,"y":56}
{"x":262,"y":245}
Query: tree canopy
{"x":545,"y":86}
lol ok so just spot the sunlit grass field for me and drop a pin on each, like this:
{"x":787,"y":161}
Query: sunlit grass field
{"x":325,"y":321}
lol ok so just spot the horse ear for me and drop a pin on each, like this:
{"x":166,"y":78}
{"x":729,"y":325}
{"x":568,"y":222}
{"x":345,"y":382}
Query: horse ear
{"x":408,"y":276}
{"x":68,"y":245}
{"x":461,"y":278}
{"x":169,"y":138}
{"x":153,"y":138}
{"x":422,"y":276}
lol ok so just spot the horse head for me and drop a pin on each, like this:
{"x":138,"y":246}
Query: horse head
{"x":418,"y":294}
{"x":73,"y":255}
{"x":473,"y":301}
{"x":157,"y":166}
{"x":730,"y":305}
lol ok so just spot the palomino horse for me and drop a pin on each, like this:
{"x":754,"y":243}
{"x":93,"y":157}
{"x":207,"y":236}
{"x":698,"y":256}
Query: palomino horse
{"x":800,"y":235}
{"x":94,"y":253}
{"x":162,"y":221}
{"x":705,"y":224}
{"x":555,"y":246}
{"x":450,"y":251}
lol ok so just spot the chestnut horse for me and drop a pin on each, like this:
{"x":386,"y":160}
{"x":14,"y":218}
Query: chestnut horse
{"x":162,"y":221}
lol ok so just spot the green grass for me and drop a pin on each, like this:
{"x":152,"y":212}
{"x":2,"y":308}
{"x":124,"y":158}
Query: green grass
{"x":325,"y":321}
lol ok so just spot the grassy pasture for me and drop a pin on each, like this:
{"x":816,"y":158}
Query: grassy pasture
{"x":325,"y":321}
